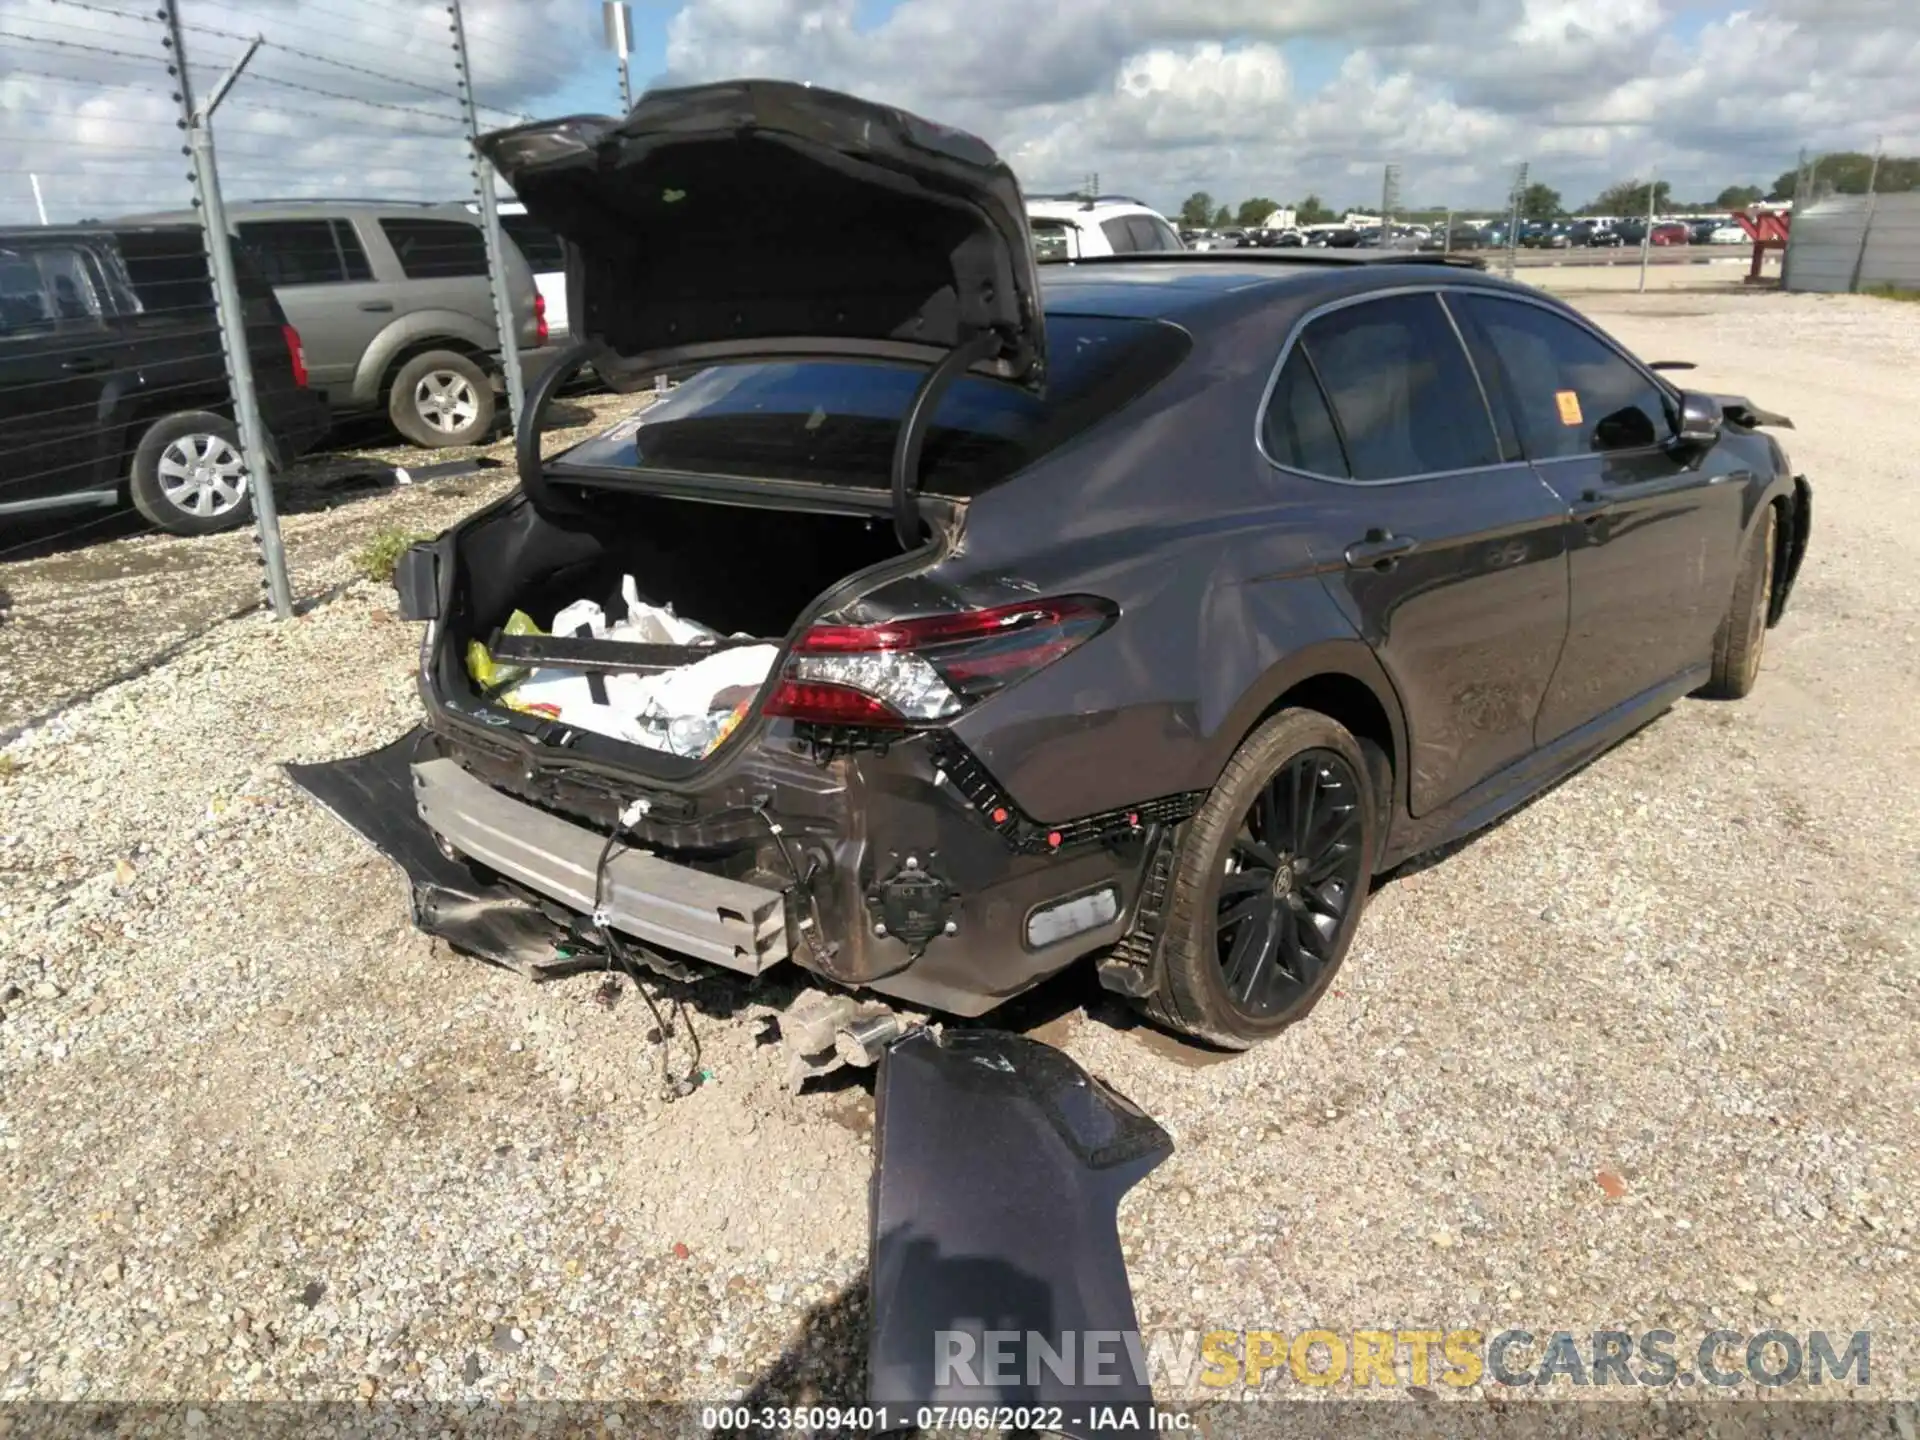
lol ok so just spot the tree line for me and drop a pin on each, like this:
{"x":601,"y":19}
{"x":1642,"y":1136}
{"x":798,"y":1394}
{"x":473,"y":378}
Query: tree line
{"x":1844,"y":173}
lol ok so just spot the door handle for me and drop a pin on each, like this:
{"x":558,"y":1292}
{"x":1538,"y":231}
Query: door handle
{"x":1381,"y":550}
{"x":86,"y":365}
{"x":379,"y":306}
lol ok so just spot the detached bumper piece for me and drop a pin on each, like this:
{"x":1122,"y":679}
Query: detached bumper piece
{"x":997,"y":1274}
{"x":406,"y":805}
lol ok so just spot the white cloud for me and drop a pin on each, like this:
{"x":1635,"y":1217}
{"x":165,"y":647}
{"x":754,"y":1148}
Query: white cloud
{"x":348,"y":97}
{"x":1161,"y":97}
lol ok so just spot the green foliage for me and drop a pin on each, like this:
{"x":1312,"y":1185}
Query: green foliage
{"x":1221,"y":218}
{"x":379,"y":555}
{"x":1255,"y":211}
{"x":1738,"y":197}
{"x":1540,"y":202}
{"x":1196,"y":211}
{"x":1847,"y":172}
{"x":1629,"y":198}
{"x":1311,"y":212}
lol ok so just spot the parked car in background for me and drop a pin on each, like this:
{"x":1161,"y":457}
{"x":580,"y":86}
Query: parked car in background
{"x":1592,"y":234}
{"x":1631,"y":232}
{"x":545,"y":255}
{"x":1109,"y":723}
{"x":393,"y":303}
{"x":113,"y":384}
{"x":1670,"y":232}
{"x":1700,"y":231}
{"x":1544,"y":237}
{"x":1070,"y":228}
{"x":1728,"y":233}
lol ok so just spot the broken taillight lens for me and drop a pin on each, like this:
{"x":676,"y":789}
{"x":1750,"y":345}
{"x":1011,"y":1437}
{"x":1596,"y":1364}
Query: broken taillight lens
{"x":539,"y":318}
{"x":930,"y":668}
{"x":296,"y":355}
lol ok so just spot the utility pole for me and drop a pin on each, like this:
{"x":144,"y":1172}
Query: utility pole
{"x":489,"y":221}
{"x":254,"y":447}
{"x":1389,"y":202}
{"x":618,"y":19}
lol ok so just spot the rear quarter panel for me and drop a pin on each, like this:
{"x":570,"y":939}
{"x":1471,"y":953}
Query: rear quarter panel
{"x":1168,"y":511}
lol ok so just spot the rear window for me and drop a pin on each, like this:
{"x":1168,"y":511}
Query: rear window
{"x":1050,"y":240}
{"x":168,"y":271}
{"x":540,"y":245}
{"x":437,"y":249}
{"x":834,"y":422}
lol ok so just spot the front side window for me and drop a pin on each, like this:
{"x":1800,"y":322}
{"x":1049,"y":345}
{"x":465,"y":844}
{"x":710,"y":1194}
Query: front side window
{"x":1119,"y":236}
{"x":41,"y":288}
{"x":1401,"y":389}
{"x":1571,"y":393}
{"x":436,"y":249}
{"x":294,"y":252}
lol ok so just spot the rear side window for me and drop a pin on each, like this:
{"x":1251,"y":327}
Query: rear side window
{"x":1400,"y":388}
{"x":540,"y":245}
{"x":1151,"y":234}
{"x":168,"y":271}
{"x":25,"y":306}
{"x":1119,"y":236}
{"x":1570,"y":392}
{"x":296,"y":252}
{"x":835,"y":422}
{"x":1297,"y":430}
{"x":436,"y":249}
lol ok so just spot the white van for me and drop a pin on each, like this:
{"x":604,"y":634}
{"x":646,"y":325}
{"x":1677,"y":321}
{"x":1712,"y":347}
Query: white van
{"x":546,"y":257}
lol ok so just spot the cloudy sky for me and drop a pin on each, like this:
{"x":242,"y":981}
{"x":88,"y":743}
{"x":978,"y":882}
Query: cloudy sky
{"x":1159,"y":97}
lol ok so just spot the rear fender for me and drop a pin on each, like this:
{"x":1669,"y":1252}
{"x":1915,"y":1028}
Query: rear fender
{"x":998,"y":1168}
{"x":410,"y":331}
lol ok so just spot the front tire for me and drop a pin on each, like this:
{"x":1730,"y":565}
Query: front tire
{"x":1742,"y":636}
{"x":441,"y":399}
{"x":188,"y":475}
{"x":1270,"y":881}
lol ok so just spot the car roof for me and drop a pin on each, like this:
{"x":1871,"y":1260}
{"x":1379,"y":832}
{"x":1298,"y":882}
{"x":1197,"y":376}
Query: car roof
{"x":1081,"y":210}
{"x":1160,"y":287}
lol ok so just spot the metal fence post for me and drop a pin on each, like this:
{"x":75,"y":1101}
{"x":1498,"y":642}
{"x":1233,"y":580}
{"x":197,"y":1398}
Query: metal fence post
{"x":489,"y":222}
{"x":254,"y":446}
{"x":1646,"y":240}
{"x":1866,"y":221}
{"x":619,"y":23}
{"x":1513,"y":217}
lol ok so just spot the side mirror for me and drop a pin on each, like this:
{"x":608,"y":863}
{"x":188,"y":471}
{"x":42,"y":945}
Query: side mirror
{"x":1700,"y":419}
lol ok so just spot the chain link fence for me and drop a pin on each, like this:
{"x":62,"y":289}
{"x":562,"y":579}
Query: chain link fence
{"x":225,"y":226}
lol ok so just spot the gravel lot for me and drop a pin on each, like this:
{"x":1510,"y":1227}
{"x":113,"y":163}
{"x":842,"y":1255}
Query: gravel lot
{"x":1644,"y":1055}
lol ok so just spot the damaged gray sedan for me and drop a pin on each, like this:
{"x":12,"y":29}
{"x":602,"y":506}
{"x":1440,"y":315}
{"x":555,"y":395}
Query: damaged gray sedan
{"x":948,"y":625}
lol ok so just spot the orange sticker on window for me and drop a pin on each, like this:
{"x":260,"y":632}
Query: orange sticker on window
{"x":1569,"y":403}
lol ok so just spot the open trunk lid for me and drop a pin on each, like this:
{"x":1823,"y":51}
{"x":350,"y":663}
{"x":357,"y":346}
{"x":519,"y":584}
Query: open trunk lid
{"x":759,"y":219}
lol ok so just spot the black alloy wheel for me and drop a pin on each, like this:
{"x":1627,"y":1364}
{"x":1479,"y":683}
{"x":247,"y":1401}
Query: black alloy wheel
{"x":1292,"y":875}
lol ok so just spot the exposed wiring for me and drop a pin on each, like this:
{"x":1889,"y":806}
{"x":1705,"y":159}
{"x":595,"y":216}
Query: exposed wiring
{"x":810,"y":924}
{"x":673,"y":1088}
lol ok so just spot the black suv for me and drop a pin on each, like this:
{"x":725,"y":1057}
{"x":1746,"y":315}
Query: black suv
{"x":113,"y":386}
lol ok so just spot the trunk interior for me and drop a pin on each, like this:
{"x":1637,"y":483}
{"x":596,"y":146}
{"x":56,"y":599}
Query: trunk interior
{"x":737,"y":570}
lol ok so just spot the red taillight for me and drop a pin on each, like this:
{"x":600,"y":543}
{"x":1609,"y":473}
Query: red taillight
{"x":539,"y":318}
{"x":928,"y":669}
{"x":296,"y":356}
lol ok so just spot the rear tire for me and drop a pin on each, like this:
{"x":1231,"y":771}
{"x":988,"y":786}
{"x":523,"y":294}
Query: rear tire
{"x":1285,"y":843}
{"x":1742,"y":635}
{"x":441,"y":399}
{"x":188,"y":475}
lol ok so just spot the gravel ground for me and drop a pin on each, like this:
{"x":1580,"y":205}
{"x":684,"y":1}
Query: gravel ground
{"x":78,"y":611}
{"x":1641,"y":1056}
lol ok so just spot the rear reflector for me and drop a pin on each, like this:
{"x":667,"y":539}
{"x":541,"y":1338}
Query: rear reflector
{"x":1051,"y":924}
{"x":539,"y":318}
{"x":928,"y":669}
{"x":296,"y":355}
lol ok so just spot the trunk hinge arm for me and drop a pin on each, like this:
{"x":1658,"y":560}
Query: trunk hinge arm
{"x":913,"y":429}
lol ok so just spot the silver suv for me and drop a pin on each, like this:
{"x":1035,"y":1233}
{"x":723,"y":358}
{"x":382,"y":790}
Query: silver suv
{"x":393,"y":307}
